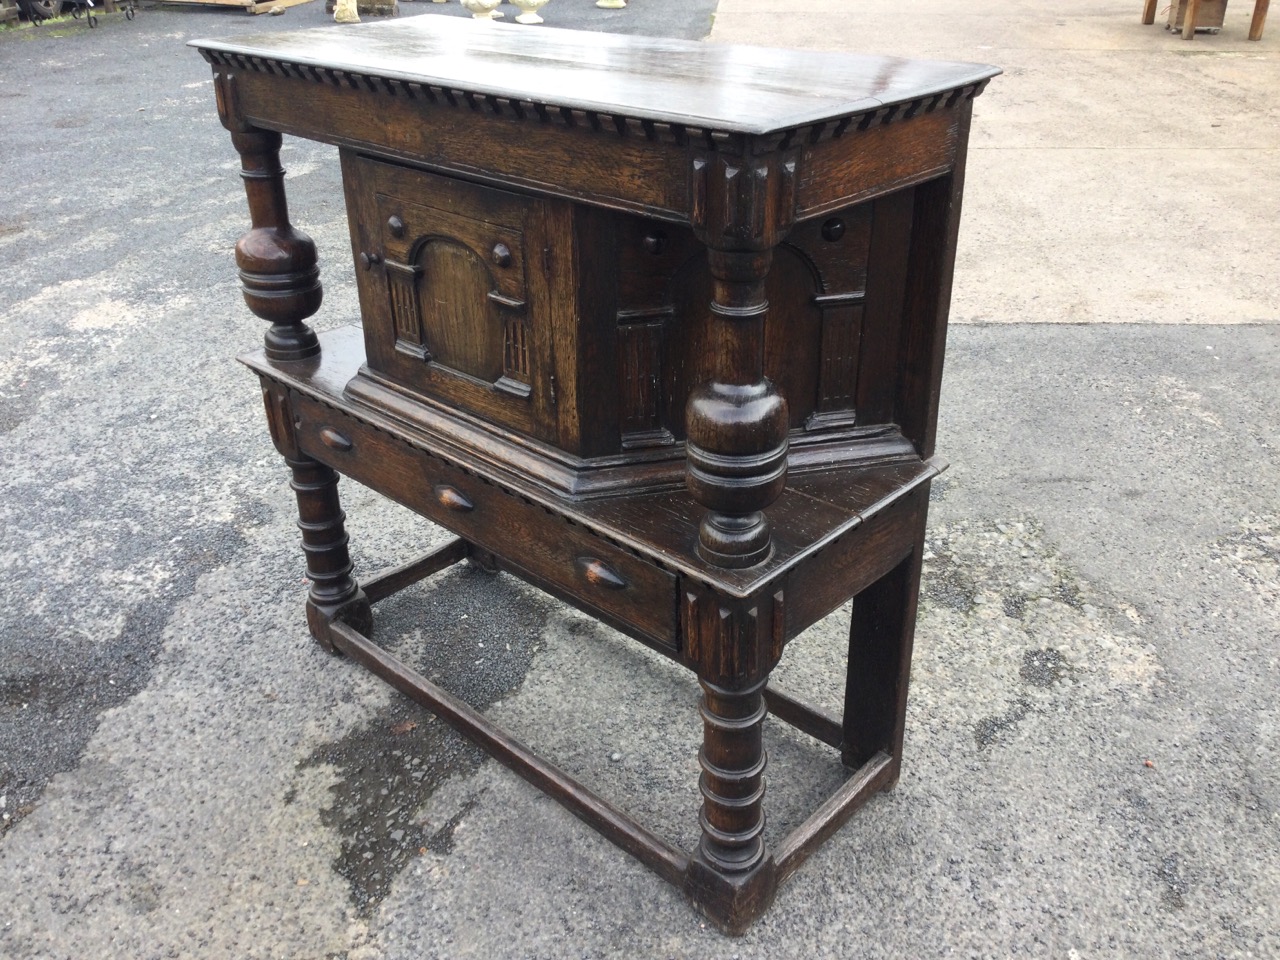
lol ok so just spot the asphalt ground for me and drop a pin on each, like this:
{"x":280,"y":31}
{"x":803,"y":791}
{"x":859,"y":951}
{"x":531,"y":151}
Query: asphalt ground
{"x":1091,"y":766}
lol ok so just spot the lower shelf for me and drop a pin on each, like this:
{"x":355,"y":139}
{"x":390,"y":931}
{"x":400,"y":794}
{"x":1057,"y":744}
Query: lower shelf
{"x":853,"y":531}
{"x":663,"y":858}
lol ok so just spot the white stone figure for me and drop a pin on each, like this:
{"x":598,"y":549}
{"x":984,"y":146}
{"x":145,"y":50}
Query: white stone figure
{"x":529,"y":10}
{"x":483,"y":9}
{"x":344,"y":11}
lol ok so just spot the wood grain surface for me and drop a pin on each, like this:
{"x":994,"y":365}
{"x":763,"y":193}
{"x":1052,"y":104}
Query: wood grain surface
{"x":736,"y":89}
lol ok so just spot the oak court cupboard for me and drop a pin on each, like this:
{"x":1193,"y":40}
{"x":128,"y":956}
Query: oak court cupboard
{"x":656,"y":326}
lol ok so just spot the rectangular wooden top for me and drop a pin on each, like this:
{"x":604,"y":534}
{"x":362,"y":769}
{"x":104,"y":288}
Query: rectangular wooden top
{"x":735,"y":89}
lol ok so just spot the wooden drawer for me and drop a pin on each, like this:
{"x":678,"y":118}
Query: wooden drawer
{"x":542,"y":546}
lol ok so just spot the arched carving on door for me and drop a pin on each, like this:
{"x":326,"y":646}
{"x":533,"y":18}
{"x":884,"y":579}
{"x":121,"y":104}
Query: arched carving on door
{"x":461,"y":327}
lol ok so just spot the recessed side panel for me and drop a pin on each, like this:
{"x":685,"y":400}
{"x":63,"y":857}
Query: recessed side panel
{"x":816,"y":289}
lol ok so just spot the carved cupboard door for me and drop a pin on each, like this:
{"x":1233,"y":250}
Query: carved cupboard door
{"x":450,"y":313}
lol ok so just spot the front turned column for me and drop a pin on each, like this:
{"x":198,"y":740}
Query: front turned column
{"x":732,"y":781}
{"x":278,"y":271}
{"x":334,"y":592}
{"x":736,"y":423}
{"x":733,"y":645}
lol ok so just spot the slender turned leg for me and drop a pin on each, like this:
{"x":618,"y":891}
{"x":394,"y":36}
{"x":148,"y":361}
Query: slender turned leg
{"x":736,"y":424}
{"x":334,"y":594}
{"x":880,"y":639}
{"x":1149,"y":12}
{"x":733,"y":646}
{"x":732,"y":879}
{"x":732,"y":781}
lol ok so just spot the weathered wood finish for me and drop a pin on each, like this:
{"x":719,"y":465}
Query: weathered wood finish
{"x":657,"y":327}
{"x":406,"y":575}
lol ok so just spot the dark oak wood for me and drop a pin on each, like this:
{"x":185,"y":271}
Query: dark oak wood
{"x":393,"y":581}
{"x":935,"y":226}
{"x":796,"y":848}
{"x":756,"y":90}
{"x":278,"y":271}
{"x":816,"y":723}
{"x":880,"y":640}
{"x":657,"y":327}
{"x":736,"y":421}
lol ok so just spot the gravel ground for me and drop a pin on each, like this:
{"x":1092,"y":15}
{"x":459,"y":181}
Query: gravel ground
{"x":1090,"y":771}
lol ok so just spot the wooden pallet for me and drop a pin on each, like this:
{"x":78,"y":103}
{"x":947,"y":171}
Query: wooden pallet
{"x":250,"y":6}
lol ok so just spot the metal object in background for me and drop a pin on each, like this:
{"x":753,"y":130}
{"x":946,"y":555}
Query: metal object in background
{"x":38,"y":11}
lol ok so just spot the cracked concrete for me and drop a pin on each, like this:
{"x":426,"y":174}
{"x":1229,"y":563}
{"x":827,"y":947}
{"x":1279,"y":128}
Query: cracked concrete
{"x":1090,"y":764}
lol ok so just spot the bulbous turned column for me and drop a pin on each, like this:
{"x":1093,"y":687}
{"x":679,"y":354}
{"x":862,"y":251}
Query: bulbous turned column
{"x":278,"y":269}
{"x":736,"y":423}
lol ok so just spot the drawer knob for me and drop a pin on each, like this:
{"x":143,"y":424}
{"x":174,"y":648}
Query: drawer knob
{"x":369,"y":260}
{"x":502,"y":254}
{"x":600,"y":573}
{"x":396,"y":226}
{"x":334,"y":440}
{"x":452,"y":499}
{"x":833,"y":230}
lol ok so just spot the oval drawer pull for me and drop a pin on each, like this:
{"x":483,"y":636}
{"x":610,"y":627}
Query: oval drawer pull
{"x":334,"y":440}
{"x":452,"y":499}
{"x":600,"y":573}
